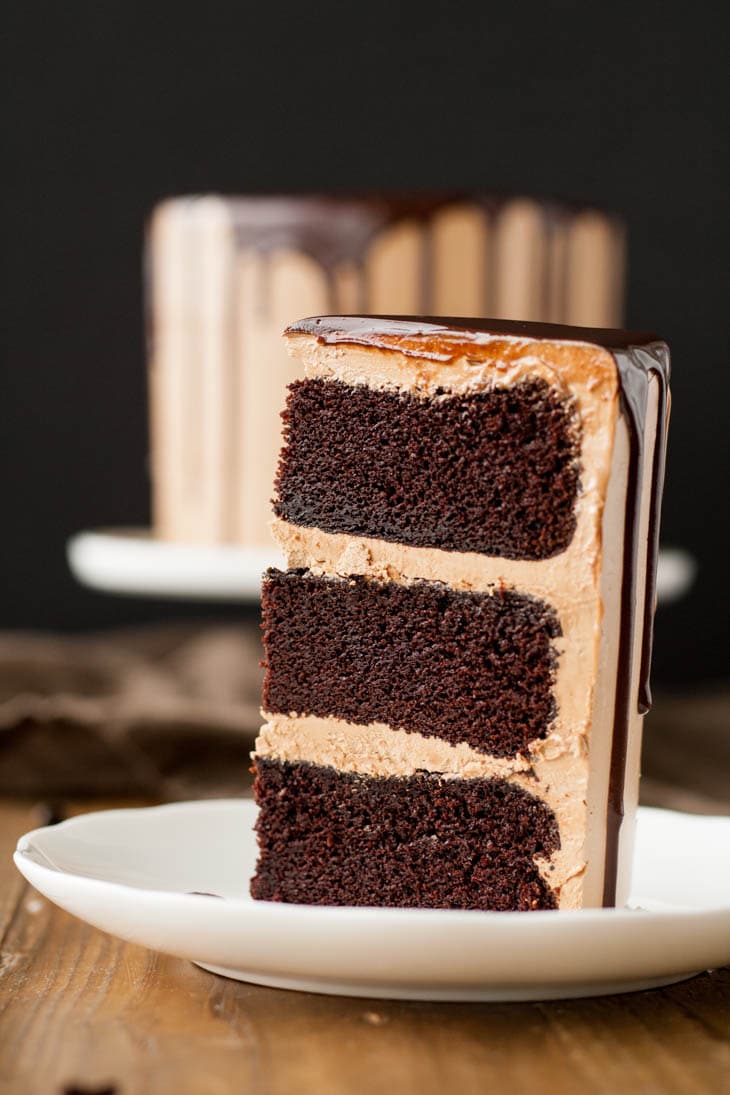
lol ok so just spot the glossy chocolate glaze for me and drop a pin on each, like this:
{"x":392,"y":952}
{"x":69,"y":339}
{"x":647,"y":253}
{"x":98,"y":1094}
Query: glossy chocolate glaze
{"x":639,"y":356}
{"x":443,"y":337}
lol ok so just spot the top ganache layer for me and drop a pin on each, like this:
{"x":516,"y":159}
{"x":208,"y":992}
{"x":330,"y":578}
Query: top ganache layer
{"x":442,"y":338}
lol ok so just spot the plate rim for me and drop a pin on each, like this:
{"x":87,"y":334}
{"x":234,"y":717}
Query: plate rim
{"x":23,"y":854}
{"x":389,"y":953}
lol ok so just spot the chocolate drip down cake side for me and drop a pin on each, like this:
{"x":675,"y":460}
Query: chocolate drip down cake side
{"x":457,"y":656}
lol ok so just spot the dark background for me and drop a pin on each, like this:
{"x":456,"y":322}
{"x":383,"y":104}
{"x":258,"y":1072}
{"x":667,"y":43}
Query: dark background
{"x":116,"y":104}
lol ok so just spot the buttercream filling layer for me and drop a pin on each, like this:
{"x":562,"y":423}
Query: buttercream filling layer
{"x":554,"y":771}
{"x":493,"y":471}
{"x":467,"y":667}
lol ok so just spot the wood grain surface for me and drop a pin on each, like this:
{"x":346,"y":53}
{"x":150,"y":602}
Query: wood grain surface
{"x":82,"y":1012}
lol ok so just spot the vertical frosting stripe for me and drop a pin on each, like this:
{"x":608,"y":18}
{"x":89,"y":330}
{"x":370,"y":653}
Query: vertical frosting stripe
{"x":594,"y":272}
{"x":274,"y":288}
{"x":215,"y":348}
{"x":172,"y":369}
{"x":394,"y":267}
{"x":459,"y":242}
{"x":521,"y":251}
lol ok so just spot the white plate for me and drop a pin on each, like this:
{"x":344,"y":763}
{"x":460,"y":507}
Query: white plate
{"x":131,"y":561}
{"x":129,"y":872}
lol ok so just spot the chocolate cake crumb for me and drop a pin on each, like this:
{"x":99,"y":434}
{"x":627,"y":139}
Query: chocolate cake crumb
{"x":491,"y":471}
{"x":334,"y":838}
{"x":461,"y":666}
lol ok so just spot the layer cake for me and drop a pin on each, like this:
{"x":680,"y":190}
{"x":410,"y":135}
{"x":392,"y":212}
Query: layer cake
{"x":227,"y":274}
{"x":457,"y":654}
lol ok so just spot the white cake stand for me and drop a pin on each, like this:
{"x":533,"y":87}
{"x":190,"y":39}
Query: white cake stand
{"x":132,"y":562}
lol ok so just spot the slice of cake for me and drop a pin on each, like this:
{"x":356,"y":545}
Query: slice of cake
{"x":458,"y":653}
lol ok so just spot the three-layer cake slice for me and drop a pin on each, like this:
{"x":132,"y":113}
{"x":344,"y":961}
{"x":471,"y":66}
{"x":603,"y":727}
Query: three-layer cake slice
{"x":457,"y":654}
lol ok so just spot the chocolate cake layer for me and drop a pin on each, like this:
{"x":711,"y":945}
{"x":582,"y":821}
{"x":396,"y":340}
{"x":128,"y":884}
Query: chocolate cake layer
{"x":494,"y":471}
{"x":462,"y":666}
{"x":333,"y":838}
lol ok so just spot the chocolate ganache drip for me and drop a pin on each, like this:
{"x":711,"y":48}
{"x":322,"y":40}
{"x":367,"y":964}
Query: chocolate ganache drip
{"x":636,"y":366}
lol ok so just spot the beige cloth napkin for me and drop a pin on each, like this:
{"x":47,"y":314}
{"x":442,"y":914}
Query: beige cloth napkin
{"x":172,"y":712}
{"x":164,"y":711}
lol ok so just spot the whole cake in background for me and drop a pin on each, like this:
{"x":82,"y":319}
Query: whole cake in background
{"x":226,"y":275}
{"x":457,"y":654}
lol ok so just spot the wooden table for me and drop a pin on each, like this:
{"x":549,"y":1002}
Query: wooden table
{"x":82,"y":1012}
